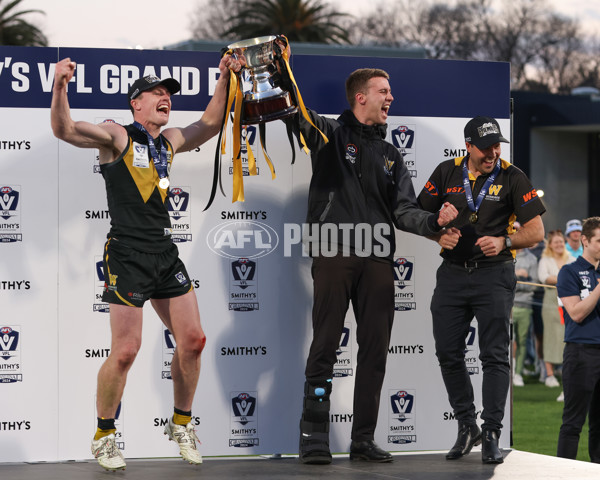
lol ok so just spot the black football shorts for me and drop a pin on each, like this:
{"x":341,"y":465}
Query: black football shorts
{"x":131,"y":277}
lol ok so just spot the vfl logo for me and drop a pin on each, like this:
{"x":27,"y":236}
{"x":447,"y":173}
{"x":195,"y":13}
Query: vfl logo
{"x":586,"y":282}
{"x":403,"y":270}
{"x":100,"y":285}
{"x":9,"y":339}
{"x":100,"y":271}
{"x":181,"y":278}
{"x":351,"y":152}
{"x":470,"y":340}
{"x":471,"y":360}
{"x":402,"y":404}
{"x":403,"y":137}
{"x":343,"y":346}
{"x":169,"y":339}
{"x":9,"y":199}
{"x":248,"y":137}
{"x":494,"y":189}
{"x":168,"y":352}
{"x":178,"y":201}
{"x":242,"y":239}
{"x":243,"y":271}
{"x":243,"y":407}
{"x":140,"y":149}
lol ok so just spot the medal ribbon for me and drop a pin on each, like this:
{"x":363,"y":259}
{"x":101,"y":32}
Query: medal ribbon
{"x":474,"y":205}
{"x":160,"y":160}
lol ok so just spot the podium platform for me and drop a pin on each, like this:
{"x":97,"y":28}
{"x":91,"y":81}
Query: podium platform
{"x":406,"y":466}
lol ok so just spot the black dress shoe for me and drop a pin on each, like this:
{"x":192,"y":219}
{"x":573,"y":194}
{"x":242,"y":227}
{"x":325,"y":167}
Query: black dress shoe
{"x":490,"y":453}
{"x":469,"y":435}
{"x":369,"y":451}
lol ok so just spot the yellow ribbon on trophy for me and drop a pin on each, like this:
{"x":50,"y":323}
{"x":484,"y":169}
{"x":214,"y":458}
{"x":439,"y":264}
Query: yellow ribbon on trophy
{"x":301,"y":106}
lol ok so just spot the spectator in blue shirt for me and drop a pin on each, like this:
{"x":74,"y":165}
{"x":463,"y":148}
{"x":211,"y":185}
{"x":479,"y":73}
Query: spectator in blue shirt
{"x":579,"y":290}
{"x":573,"y":236}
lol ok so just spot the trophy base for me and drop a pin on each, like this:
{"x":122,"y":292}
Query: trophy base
{"x":268,"y":109}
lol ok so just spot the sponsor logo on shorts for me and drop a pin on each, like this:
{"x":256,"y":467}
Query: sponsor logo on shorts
{"x":181,"y":278}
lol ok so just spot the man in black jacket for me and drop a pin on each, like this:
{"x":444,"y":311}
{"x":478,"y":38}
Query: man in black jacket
{"x":360,"y":189}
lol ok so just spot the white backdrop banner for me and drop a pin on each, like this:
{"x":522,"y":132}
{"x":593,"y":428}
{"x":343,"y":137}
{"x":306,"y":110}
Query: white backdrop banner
{"x":255,"y":297}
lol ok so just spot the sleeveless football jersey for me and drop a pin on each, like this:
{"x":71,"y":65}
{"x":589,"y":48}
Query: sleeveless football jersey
{"x":137,"y":205}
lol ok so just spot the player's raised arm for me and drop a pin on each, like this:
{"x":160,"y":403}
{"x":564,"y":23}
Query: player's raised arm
{"x":80,"y":134}
{"x":194,"y":135}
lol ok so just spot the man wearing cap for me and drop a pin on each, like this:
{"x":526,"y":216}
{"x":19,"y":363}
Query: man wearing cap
{"x":477,"y":275}
{"x":141,"y":262}
{"x":573,"y":234}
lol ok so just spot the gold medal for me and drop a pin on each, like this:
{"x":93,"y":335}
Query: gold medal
{"x":473,"y":218}
{"x":164,"y":183}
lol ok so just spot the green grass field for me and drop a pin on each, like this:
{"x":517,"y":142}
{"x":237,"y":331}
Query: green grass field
{"x":537,"y":417}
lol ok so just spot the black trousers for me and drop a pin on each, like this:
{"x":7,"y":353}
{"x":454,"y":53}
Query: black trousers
{"x":581,"y":384}
{"x":369,"y":284}
{"x":487,"y":294}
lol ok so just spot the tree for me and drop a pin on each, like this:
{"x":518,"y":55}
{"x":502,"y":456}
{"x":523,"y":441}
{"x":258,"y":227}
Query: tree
{"x":298,"y":20}
{"x":213,"y":19}
{"x":14,"y":30}
{"x":546,"y":50}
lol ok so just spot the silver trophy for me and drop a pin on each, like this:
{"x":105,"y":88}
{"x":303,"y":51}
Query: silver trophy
{"x":263,"y":100}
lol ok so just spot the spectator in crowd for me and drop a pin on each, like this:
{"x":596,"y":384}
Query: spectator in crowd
{"x":555,"y":256}
{"x":573,"y":235}
{"x":526,"y":265}
{"x":535,"y":350}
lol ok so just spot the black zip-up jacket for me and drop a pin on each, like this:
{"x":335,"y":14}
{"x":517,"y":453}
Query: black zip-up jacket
{"x":359,"y":178}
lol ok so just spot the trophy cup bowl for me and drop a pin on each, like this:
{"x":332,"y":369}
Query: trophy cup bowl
{"x":264,"y":100}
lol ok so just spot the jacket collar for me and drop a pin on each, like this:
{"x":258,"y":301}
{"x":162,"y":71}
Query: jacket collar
{"x":367,"y":131}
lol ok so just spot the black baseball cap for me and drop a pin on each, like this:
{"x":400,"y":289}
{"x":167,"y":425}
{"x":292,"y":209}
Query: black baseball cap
{"x":150,"y":81}
{"x":483,"y":132}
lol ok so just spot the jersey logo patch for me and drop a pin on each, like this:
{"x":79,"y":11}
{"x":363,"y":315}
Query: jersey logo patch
{"x":140,"y":156}
{"x":431,"y":189}
{"x":351,"y":152}
{"x":495,"y":189}
{"x":387,"y":166}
